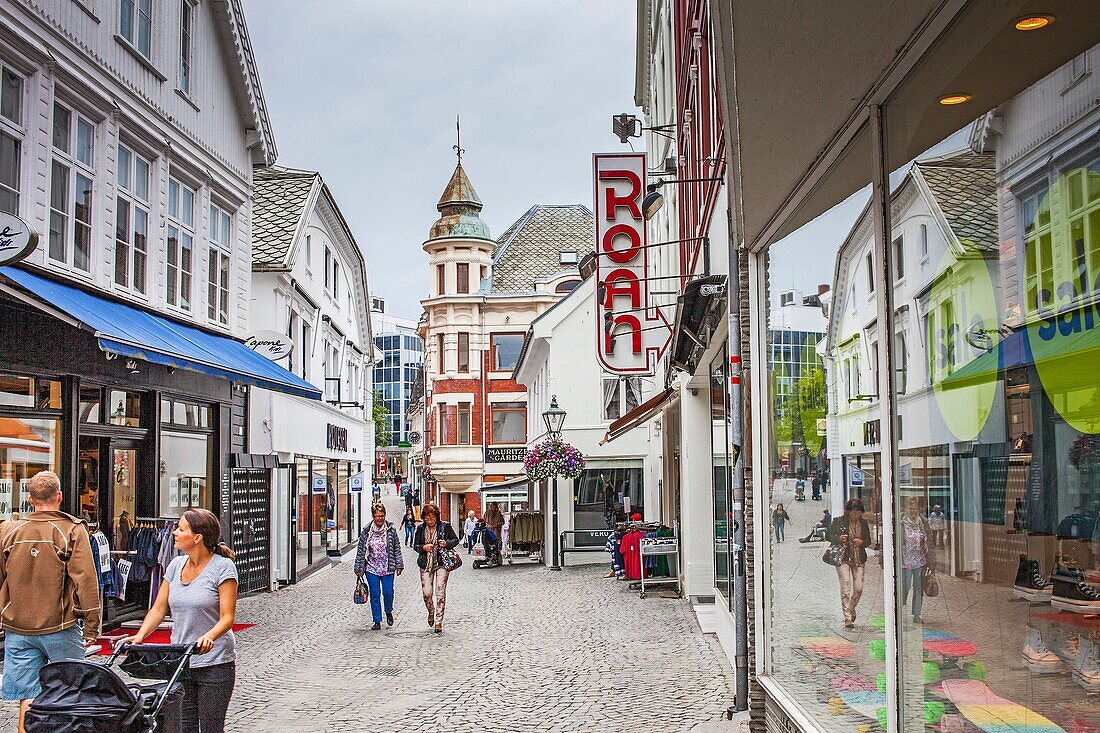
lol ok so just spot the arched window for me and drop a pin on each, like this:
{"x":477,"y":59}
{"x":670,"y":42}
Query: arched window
{"x":567,"y":286}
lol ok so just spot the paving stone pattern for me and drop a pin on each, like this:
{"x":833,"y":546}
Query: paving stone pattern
{"x":524,"y":649}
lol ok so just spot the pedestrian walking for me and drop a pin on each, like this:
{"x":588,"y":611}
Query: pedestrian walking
{"x":494,"y":519}
{"x":815,"y":486}
{"x":851,"y":532}
{"x":779,"y":522}
{"x":937,"y":523}
{"x":468,"y":528}
{"x":48,"y":585}
{"x":408,"y":498}
{"x":200,"y":587}
{"x":409,"y":525}
{"x":432,"y":535}
{"x":379,"y":560}
{"x":918,"y":553}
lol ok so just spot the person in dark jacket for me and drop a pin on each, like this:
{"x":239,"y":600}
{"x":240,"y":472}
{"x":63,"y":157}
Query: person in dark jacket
{"x":409,"y":525}
{"x":851,"y":532}
{"x":431,"y":536}
{"x":379,"y":560}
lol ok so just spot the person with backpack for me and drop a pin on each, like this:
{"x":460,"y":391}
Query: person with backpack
{"x":48,"y":587}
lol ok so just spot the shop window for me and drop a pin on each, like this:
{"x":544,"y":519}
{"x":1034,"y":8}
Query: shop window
{"x":30,"y":392}
{"x":607,"y":492}
{"x":91,"y":404}
{"x":125,"y":408}
{"x":27,"y":446}
{"x":509,"y":422}
{"x":506,"y":348}
{"x":131,"y":220}
{"x":72,"y":173}
{"x":184,"y":471}
{"x":181,"y":244}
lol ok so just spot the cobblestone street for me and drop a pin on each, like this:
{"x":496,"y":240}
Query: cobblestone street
{"x":524,"y":649}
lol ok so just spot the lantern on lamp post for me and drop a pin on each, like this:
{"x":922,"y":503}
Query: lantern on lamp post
{"x":554,"y":418}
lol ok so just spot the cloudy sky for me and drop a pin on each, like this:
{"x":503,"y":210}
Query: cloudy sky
{"x":366,"y":92}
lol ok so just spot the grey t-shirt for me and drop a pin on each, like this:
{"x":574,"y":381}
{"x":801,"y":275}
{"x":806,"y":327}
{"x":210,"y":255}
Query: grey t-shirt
{"x":196,"y":608}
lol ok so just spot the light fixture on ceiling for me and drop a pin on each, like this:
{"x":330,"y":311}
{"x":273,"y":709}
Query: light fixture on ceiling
{"x":949,"y":100}
{"x":1032,"y":22}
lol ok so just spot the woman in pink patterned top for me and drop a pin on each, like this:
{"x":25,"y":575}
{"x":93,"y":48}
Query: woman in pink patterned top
{"x":379,"y":560}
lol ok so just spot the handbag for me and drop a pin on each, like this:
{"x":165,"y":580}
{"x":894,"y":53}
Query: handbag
{"x":362,"y":592}
{"x":929,"y":583}
{"x":834,"y":555}
{"x":450,"y":559}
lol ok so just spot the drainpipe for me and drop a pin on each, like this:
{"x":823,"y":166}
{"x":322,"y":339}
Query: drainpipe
{"x":736,"y":412}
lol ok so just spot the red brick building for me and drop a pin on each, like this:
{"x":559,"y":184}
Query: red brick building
{"x":485,"y":293}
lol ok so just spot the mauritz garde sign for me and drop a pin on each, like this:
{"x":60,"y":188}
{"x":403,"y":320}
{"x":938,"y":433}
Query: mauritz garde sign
{"x":505,"y":455}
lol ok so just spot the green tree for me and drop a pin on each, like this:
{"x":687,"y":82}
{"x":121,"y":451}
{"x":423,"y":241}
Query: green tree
{"x":383,"y":436}
{"x":797,"y":413}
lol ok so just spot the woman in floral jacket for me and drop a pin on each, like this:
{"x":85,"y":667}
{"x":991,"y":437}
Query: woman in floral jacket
{"x":379,"y":559}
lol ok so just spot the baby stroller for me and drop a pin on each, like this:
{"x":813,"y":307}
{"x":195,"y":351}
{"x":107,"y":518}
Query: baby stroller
{"x":486,"y":548}
{"x":800,"y":490}
{"x":84,"y":697}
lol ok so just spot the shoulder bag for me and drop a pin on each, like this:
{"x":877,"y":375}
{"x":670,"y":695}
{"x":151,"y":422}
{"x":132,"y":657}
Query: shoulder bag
{"x":929,"y":583}
{"x":835,"y":554}
{"x":449,"y":557}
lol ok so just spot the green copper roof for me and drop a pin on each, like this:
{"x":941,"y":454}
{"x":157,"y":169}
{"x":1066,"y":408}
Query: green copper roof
{"x":459,"y":209}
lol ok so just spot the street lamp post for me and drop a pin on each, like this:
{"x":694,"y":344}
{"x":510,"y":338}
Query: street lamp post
{"x":554,"y":418}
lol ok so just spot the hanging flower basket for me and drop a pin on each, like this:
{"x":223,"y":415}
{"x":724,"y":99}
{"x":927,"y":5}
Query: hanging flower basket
{"x":1085,"y":451}
{"x":426,"y":473}
{"x":553,"y":458}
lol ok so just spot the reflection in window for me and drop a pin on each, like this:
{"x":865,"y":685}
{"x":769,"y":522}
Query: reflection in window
{"x":27,"y":446}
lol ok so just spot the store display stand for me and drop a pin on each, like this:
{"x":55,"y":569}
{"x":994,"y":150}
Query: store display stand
{"x":667,"y":547}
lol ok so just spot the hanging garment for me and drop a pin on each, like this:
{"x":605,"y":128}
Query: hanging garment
{"x":123,"y":568}
{"x":101,"y":556}
{"x":616,"y":556}
{"x":632,"y":554}
{"x":166,"y":551}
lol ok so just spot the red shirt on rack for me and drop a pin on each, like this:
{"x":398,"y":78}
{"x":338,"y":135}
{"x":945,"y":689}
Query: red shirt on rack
{"x":631,"y":547}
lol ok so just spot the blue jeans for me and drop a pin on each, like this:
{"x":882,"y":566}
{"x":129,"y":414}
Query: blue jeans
{"x":25,"y":655}
{"x":913,"y":577}
{"x":409,"y":532}
{"x":381,"y":587}
{"x":780,"y":534}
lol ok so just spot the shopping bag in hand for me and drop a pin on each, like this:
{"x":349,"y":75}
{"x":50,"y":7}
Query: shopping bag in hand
{"x":362,"y":592}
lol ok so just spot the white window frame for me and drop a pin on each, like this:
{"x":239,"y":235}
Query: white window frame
{"x":180,"y":275}
{"x":187,"y":45}
{"x":219,"y":261}
{"x":621,"y":391}
{"x":76,"y":168}
{"x":133,"y":258}
{"x":131,"y":31}
{"x":16,"y":130}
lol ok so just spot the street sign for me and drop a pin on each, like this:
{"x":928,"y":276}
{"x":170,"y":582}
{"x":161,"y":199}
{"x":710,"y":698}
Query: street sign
{"x":631,"y":334}
{"x":320,"y":483}
{"x":357,"y":481}
{"x":856,"y":477}
{"x":17,"y":239}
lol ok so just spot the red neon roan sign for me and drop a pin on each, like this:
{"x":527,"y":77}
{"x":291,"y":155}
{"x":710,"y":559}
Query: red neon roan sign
{"x":631,"y":336}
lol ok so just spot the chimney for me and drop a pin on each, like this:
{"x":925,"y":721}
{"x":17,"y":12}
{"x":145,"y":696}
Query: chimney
{"x":822,"y":289}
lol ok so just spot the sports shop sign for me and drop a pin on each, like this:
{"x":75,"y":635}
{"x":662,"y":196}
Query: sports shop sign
{"x":631,"y":335}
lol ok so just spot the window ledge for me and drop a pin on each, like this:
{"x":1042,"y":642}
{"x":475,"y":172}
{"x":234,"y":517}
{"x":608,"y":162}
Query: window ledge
{"x":83,"y":5}
{"x":140,"y":57}
{"x":1074,"y":82}
{"x":187,"y":98}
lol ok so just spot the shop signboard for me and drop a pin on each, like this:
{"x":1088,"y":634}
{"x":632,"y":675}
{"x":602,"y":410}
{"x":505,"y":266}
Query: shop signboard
{"x":380,"y":468}
{"x":272,"y":344}
{"x":631,"y":335}
{"x":17,"y":239}
{"x":505,"y":455}
{"x":320,"y":483}
{"x":356,"y":482}
{"x":855,"y":479}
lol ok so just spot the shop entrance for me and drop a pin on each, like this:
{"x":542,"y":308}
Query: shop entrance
{"x":108,"y":486}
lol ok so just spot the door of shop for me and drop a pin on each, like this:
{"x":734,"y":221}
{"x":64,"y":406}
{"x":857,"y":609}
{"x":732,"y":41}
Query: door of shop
{"x":251,"y":527}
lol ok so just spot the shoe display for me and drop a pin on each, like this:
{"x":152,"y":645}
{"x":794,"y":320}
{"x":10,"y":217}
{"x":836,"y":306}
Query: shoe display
{"x":1030,"y":583}
{"x":1086,"y":665}
{"x":1071,"y":591}
{"x":1038,"y":658}
{"x":1063,"y":643}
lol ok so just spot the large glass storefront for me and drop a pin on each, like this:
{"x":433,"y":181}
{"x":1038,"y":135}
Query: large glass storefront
{"x":966,"y":593}
{"x":325,"y":509}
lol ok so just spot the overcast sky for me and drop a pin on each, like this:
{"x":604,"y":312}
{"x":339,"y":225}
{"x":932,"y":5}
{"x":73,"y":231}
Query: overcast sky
{"x":366,"y":92}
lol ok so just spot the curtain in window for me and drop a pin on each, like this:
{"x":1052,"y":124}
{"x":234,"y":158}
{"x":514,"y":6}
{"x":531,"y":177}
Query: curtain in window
{"x":611,"y":399}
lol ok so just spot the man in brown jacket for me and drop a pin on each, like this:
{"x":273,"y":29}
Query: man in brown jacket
{"x":46,"y":551}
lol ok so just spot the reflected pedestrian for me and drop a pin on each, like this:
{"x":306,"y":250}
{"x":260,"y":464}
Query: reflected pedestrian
{"x":379,"y":560}
{"x":918,"y":552}
{"x":432,"y":535}
{"x":851,"y":532}
{"x":779,"y":522}
{"x":937,"y":523}
{"x":409,"y":525}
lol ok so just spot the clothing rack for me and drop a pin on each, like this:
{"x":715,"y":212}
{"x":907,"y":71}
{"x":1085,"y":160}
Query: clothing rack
{"x":154,"y":521}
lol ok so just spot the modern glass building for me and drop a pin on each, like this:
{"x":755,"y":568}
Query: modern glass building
{"x":401,"y":355}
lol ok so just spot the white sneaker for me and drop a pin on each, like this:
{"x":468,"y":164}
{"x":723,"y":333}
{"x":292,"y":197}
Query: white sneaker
{"x":1038,"y":658}
{"x":1086,"y":665}
{"x":1063,"y":643}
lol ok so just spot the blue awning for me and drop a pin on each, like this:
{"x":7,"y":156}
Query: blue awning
{"x":128,"y":331}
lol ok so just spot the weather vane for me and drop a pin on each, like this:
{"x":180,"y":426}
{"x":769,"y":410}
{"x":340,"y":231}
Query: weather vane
{"x":458,"y":148}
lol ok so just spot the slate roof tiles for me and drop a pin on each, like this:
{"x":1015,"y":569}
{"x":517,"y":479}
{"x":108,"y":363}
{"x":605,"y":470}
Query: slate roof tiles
{"x":531,"y":248}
